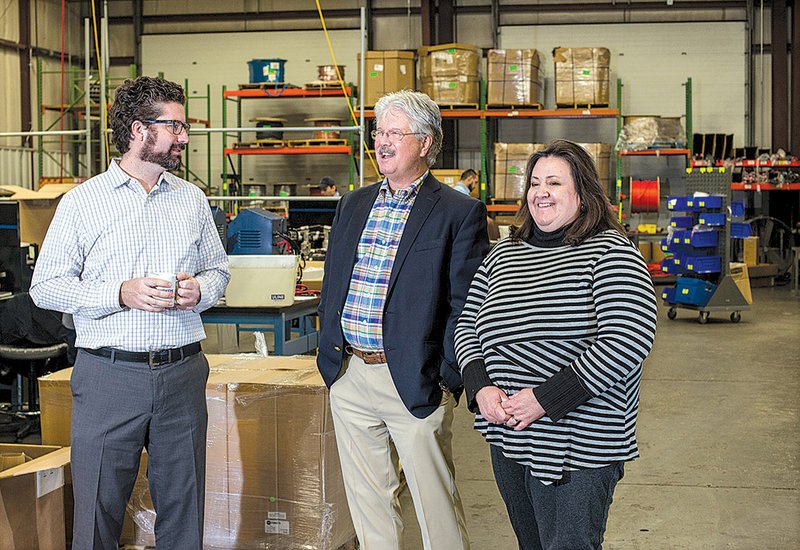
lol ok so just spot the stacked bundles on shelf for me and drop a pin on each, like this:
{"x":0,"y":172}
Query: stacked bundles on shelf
{"x":582,"y":76}
{"x":386,"y":71}
{"x":514,"y":78}
{"x":509,"y":168}
{"x":449,"y":73}
{"x":601,"y":154}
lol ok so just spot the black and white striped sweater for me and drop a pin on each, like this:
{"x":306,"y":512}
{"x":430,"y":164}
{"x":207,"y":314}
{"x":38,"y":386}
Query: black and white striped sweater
{"x":551,"y":318}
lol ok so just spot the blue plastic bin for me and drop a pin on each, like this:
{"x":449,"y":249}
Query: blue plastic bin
{"x":712,"y":219}
{"x":710,"y":202}
{"x":681,"y":222}
{"x":668,"y":294}
{"x":703,"y":239}
{"x":740,"y":230}
{"x":672,"y":266}
{"x":681,"y":236}
{"x":702,"y":264}
{"x":678,"y":203}
{"x":266,"y":70}
{"x":695,"y":292}
{"x":737,"y":209}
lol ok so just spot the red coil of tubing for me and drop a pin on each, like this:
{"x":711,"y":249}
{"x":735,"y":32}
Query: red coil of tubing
{"x":645,"y":195}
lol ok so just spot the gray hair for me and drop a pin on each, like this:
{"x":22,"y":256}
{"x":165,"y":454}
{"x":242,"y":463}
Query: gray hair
{"x":423,"y":116}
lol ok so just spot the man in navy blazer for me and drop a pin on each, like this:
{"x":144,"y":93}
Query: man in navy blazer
{"x":401,"y":256}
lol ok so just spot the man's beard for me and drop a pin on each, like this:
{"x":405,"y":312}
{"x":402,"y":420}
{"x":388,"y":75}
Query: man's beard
{"x":164,"y":159}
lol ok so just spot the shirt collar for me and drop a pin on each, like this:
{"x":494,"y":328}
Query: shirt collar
{"x":119,"y":177}
{"x":406,"y":192}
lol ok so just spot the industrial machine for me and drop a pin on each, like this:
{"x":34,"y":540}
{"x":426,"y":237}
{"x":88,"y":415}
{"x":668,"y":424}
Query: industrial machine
{"x":258,"y":231}
{"x":221,"y":222}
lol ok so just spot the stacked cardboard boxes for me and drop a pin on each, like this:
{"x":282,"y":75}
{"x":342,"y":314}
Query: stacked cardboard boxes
{"x":514,"y":78}
{"x":386,"y":71}
{"x":449,"y":73}
{"x":601,"y":154}
{"x":272,"y":469}
{"x":33,"y":494}
{"x":510,"y":160}
{"x":582,"y":76}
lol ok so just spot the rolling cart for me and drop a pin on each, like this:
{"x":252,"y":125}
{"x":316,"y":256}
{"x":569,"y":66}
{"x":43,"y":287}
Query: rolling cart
{"x":700,"y":247}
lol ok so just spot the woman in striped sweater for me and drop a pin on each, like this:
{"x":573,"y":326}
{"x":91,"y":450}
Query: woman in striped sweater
{"x":558,"y":320}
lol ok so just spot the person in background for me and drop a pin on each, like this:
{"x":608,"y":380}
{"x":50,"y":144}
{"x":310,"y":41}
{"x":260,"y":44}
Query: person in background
{"x":468,"y":181}
{"x":139,"y":377}
{"x":327,"y":187}
{"x":401,"y":255}
{"x":559,"y":318}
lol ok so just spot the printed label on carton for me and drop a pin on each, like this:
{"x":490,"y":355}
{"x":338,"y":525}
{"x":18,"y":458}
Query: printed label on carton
{"x":48,"y":481}
{"x":276,"y":526}
{"x":276,"y":515}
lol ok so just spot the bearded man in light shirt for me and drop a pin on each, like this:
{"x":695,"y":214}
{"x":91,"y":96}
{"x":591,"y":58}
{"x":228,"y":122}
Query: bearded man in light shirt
{"x":139,"y":377}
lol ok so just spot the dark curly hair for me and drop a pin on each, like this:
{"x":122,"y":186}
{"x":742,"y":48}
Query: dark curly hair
{"x":140,"y":99}
{"x":595,"y":214}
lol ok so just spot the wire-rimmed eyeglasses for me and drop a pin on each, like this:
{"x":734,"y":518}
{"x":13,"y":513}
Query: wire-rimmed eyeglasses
{"x":394,"y":136}
{"x":177,"y":127}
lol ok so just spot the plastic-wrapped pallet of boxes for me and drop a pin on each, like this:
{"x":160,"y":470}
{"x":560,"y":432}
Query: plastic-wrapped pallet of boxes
{"x":449,"y":73}
{"x":509,"y":168}
{"x":582,"y":76}
{"x":272,"y":470}
{"x":514,"y":78}
{"x":387,"y":71}
{"x":601,"y":154}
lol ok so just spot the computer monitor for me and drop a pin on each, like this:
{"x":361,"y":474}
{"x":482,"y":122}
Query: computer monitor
{"x":311,"y":212}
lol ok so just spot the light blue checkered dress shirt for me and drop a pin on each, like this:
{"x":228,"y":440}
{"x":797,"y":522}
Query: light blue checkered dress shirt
{"x":109,"y":230}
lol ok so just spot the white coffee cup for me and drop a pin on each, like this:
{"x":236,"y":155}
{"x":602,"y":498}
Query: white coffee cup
{"x":171,"y":279}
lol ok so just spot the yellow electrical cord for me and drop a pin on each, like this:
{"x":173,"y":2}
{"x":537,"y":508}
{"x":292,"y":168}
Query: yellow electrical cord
{"x":344,"y":89}
{"x":101,"y":76}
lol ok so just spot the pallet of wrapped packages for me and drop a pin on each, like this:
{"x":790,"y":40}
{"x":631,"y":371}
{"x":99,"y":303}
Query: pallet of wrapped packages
{"x":510,"y":160}
{"x":582,"y":76}
{"x":514,"y":79}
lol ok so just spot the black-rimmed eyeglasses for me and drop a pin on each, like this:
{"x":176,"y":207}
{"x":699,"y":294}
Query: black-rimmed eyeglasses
{"x":177,"y":127}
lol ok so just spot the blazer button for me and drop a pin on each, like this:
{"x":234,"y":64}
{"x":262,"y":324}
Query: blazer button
{"x":337,"y":348}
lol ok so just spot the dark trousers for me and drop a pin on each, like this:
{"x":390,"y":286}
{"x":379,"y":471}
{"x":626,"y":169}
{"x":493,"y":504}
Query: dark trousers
{"x":568,"y":515}
{"x":119,"y":408}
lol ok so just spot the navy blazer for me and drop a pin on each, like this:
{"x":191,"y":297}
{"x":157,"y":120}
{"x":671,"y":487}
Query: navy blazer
{"x":443,"y":244}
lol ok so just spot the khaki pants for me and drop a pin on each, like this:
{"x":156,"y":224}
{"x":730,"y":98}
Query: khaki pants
{"x":369,"y":415}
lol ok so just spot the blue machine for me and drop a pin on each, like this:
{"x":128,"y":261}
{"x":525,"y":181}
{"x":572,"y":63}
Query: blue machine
{"x":253,"y":231}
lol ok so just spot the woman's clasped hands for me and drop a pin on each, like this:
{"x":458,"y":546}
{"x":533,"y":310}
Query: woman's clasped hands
{"x":517,"y":411}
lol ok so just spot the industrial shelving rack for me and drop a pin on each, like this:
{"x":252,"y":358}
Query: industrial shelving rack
{"x":726,"y":296}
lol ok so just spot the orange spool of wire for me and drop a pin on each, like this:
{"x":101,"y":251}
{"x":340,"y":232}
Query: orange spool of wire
{"x":645,"y":195}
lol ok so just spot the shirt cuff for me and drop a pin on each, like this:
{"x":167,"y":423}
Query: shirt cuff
{"x":475,"y":378}
{"x":561,"y":394}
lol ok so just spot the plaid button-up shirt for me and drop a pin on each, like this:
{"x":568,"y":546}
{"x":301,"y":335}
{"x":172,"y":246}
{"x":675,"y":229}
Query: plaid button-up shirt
{"x":362,"y":316}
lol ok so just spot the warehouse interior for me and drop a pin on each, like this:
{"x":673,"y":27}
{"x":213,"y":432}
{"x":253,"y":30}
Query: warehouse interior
{"x":690,"y":110}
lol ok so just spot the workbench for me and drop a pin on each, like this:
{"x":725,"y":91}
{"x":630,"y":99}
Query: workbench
{"x":288,"y":340}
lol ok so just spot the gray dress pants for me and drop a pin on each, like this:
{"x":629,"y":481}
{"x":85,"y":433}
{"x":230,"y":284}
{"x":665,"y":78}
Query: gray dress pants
{"x":119,"y":408}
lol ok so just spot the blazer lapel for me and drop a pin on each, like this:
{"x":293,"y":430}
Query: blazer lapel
{"x":428,"y":196}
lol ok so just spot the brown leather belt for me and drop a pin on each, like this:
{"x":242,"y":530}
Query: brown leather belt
{"x":369,"y":357}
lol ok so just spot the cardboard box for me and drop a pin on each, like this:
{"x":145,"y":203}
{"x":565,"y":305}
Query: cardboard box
{"x":386,"y":71}
{"x":272,"y":469}
{"x":312,"y":274}
{"x":510,"y":161}
{"x":582,"y":76}
{"x":514,"y":78}
{"x":646,"y":250}
{"x":740,"y":276}
{"x":36,"y":208}
{"x":762,"y":275}
{"x":750,"y":251}
{"x":32,"y":492}
{"x":452,"y":90}
{"x":449,"y":60}
{"x":601,"y":154}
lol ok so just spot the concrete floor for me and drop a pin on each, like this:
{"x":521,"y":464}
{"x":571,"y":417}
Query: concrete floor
{"x":719,"y":437}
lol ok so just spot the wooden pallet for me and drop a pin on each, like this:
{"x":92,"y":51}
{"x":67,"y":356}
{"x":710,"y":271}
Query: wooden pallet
{"x":259,"y":143}
{"x":454,"y":106}
{"x":266,"y":86}
{"x":314,"y":142}
{"x":323,"y":85}
{"x":533,"y":106}
{"x":582,"y":106}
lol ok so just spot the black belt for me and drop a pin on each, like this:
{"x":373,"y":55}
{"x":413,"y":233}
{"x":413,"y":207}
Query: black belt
{"x":152,"y":358}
